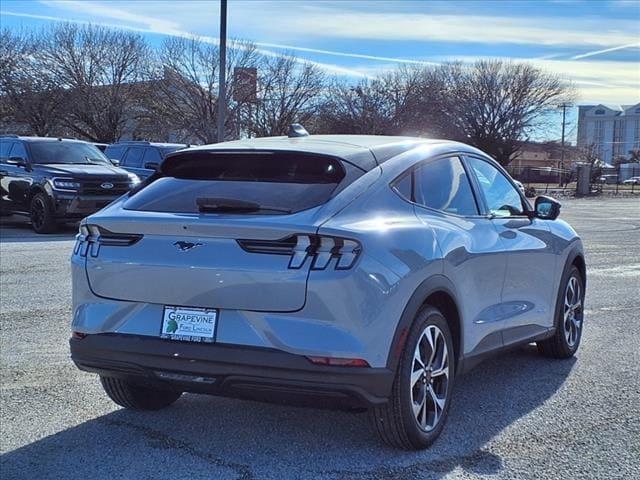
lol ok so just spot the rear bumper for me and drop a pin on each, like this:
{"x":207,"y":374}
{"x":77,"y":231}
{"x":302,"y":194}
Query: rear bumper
{"x":219,"y":369}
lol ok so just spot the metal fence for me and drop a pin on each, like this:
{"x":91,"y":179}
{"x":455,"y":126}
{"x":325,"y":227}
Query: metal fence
{"x":621,"y":179}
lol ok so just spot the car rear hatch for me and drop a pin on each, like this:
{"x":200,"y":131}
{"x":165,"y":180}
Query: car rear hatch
{"x":223,"y":230}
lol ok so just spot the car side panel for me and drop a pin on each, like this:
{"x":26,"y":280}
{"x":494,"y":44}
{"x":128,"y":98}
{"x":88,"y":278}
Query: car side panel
{"x":474,"y":260}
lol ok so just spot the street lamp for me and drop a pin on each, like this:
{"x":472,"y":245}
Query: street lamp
{"x":222,"y":101}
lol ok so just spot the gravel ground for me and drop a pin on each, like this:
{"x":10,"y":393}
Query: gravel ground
{"x":515,"y":416}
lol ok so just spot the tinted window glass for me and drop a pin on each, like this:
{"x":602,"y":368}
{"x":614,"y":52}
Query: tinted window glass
{"x":5,"y":146}
{"x":115,"y":151}
{"x":18,"y":150}
{"x":152,"y":155}
{"x":502,"y":197}
{"x":443,"y":185}
{"x":243,"y":184}
{"x":65,"y":152}
{"x":133,"y":157}
{"x":403,"y":187}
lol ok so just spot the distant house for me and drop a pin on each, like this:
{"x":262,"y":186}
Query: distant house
{"x":612,"y":131}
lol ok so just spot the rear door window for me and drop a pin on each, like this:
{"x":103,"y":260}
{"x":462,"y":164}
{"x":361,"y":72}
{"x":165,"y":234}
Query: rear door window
{"x":264,"y":183}
{"x":115,"y":151}
{"x":133,"y":157}
{"x":441,"y":184}
{"x":152,"y":155}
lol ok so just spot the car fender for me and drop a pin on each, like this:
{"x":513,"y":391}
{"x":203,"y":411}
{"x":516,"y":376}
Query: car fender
{"x":433,"y":284}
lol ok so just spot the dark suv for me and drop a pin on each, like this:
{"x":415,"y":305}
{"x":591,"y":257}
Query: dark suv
{"x":55,"y":180}
{"x":141,"y":157}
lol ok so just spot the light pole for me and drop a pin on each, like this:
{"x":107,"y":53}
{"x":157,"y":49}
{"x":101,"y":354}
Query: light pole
{"x":222,"y":79}
{"x":564,"y":116}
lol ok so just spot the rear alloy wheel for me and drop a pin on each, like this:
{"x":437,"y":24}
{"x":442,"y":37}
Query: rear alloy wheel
{"x":135,"y":396}
{"x":569,"y":319}
{"x":416,"y":412}
{"x":41,"y":214}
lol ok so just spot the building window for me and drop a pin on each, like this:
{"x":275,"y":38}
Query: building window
{"x":600,"y":111}
{"x":636,"y":135}
{"x":618,"y":138}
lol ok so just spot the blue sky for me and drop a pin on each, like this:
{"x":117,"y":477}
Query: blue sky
{"x":595,"y":44}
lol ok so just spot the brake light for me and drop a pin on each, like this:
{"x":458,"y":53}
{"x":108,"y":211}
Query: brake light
{"x":91,"y":237}
{"x":320,"y":250}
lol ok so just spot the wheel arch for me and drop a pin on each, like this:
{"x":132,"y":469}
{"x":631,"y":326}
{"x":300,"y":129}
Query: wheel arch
{"x":439,"y":292}
{"x":33,"y":191}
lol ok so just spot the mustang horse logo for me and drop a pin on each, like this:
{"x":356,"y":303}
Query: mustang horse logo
{"x":186,"y":246}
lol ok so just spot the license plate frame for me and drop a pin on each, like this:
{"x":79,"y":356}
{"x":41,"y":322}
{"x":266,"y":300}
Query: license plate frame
{"x":189,"y":324}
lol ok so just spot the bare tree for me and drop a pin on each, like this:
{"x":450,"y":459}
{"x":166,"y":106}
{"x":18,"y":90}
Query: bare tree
{"x":186,"y":91}
{"x":31,"y":100}
{"x":494,"y":105}
{"x":103,"y":72}
{"x":288,"y":92}
{"x":388,"y":105}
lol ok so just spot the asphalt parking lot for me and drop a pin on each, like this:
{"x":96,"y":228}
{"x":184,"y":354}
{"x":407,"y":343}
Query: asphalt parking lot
{"x":516,"y":416}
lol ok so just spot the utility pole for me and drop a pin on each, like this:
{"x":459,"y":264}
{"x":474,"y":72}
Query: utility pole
{"x":222,"y":94}
{"x":564,"y":117}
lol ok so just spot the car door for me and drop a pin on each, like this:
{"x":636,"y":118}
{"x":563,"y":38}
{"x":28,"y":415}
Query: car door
{"x":16,"y":180}
{"x":472,"y":251}
{"x":132,"y":160}
{"x":528,"y":298}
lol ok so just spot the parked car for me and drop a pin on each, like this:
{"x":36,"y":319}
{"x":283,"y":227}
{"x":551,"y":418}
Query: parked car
{"x":632,"y":181}
{"x":345,"y":271}
{"x":100,"y":146}
{"x":141,"y":158}
{"x":55,"y":180}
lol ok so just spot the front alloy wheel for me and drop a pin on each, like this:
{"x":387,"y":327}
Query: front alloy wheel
{"x":569,"y":318}
{"x":417,"y":410}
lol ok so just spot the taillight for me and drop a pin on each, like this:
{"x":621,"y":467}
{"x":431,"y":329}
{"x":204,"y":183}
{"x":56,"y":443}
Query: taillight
{"x":320,"y":250}
{"x":91,"y":237}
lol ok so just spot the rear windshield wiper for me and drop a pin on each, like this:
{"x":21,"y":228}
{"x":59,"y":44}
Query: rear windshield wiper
{"x":208,"y":204}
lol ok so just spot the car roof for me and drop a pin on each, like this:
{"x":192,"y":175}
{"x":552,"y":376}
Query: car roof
{"x":364,"y":151}
{"x":150,"y":144}
{"x":42,"y":139}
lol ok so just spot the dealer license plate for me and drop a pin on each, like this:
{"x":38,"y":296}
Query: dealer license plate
{"x":189,"y":324}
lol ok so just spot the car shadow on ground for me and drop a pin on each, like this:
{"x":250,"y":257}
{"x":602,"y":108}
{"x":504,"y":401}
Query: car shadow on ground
{"x":206,"y":437}
{"x":17,"y":228}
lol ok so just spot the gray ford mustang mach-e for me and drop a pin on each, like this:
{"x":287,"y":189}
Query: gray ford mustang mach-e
{"x":345,"y":271}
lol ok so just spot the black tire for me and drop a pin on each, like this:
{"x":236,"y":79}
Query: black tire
{"x":395,"y":421}
{"x":558,"y":346}
{"x":137,"y":397}
{"x":41,"y":214}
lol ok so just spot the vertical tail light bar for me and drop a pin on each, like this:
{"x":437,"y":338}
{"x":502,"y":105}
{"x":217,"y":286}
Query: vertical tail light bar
{"x":320,"y":250}
{"x":91,"y":237}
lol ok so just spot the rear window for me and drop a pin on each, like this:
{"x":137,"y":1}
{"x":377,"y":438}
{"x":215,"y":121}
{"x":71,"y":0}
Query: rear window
{"x":261,"y":183}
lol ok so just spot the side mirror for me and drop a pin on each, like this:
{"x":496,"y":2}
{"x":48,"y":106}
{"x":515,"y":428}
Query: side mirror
{"x":547,"y":208}
{"x":17,"y":161}
{"x":152,"y":165}
{"x":115,"y":162}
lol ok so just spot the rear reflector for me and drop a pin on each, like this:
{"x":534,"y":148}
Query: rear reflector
{"x":78,"y":335}
{"x":339,"y":362}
